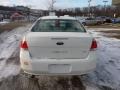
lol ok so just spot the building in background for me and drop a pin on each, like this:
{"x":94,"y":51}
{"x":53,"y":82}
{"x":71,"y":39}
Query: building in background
{"x":116,"y":2}
{"x":6,"y":12}
{"x":17,"y":17}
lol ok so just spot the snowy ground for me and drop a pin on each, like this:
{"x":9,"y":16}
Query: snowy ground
{"x":9,"y":48}
{"x":4,"y":22}
{"x":107,"y":74}
{"x":105,"y":77}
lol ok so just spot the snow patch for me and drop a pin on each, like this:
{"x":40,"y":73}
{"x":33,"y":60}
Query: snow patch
{"x":103,"y":29}
{"x":107,"y":72}
{"x":3,"y":22}
{"x":9,"y":70}
{"x":9,"y":42}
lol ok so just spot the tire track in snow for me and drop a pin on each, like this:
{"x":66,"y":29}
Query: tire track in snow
{"x":9,"y":42}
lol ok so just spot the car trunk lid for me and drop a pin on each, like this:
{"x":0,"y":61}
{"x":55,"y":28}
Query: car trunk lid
{"x":59,"y":45}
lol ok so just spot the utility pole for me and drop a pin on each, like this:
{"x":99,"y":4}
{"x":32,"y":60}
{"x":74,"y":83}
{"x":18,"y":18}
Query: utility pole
{"x":105,"y":3}
{"x":51,"y":7}
{"x":89,"y":1}
{"x":52,"y":4}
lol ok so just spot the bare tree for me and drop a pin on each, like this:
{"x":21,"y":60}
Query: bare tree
{"x":51,"y":5}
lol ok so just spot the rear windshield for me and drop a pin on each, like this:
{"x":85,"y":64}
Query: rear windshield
{"x":58,"y":26}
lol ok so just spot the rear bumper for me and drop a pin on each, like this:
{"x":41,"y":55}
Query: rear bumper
{"x":41,"y":66}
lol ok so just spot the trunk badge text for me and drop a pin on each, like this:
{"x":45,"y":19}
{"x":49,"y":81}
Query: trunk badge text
{"x":60,"y":52}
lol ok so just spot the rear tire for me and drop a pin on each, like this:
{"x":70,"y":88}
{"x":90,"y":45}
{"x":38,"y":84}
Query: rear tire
{"x":84,"y":23}
{"x":98,"y":23}
{"x":23,"y":74}
{"x":32,"y":76}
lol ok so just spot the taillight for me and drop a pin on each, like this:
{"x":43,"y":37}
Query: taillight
{"x":94,"y":45}
{"x":24,"y":45}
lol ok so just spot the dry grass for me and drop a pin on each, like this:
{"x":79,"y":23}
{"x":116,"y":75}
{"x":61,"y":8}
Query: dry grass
{"x":116,"y":36}
{"x":113,"y":36}
{"x":112,"y":33}
{"x":11,"y":26}
{"x":107,"y":25}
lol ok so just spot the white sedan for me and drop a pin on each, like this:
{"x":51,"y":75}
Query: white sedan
{"x":58,"y":46}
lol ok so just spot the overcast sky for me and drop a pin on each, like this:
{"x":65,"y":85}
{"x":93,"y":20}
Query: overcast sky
{"x":42,"y":4}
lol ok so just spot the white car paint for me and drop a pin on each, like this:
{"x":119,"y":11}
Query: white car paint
{"x":58,"y":53}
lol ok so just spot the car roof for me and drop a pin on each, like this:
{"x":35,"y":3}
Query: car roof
{"x":56,"y":17}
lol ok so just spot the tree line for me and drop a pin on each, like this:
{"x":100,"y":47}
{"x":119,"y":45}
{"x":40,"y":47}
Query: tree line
{"x":110,"y":11}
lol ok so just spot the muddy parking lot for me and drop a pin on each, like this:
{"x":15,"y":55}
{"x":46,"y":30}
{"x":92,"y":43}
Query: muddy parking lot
{"x":105,"y":77}
{"x":21,"y":82}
